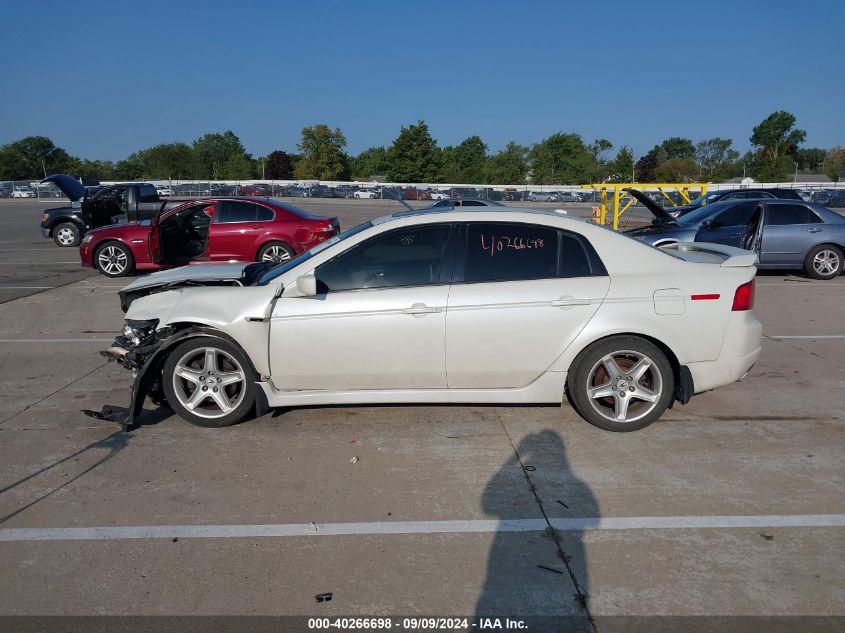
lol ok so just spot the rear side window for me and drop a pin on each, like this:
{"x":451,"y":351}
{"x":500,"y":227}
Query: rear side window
{"x":263,"y":214}
{"x":235,"y":211}
{"x":147,"y":193}
{"x":735,"y":216}
{"x":511,"y":252}
{"x":781,"y":214}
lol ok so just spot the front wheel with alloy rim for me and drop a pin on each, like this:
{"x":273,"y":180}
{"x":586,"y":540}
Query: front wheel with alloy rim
{"x":623,"y":383}
{"x":275,"y":252}
{"x":66,"y":234}
{"x":209,"y":382}
{"x":823,"y":262}
{"x":114,"y":259}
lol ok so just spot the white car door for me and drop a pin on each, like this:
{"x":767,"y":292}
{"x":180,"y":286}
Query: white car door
{"x":527,"y":291}
{"x":378,"y":321}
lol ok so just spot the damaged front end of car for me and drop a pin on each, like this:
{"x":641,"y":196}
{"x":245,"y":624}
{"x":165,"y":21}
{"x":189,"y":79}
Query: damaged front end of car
{"x":139,"y":348}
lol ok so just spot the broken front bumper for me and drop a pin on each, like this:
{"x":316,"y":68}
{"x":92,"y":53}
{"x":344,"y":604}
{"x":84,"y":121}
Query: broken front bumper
{"x":143,"y":359}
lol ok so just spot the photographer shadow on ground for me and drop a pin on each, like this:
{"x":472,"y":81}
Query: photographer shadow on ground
{"x":542,"y":575}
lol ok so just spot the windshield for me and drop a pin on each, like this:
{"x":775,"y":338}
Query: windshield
{"x":701,"y":214}
{"x":282,"y":268}
{"x":702,"y":200}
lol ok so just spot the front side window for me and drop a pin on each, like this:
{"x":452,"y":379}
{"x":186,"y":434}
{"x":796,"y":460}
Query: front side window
{"x":781,"y":214}
{"x":235,"y":211}
{"x":737,"y":215}
{"x":509,"y":252}
{"x":412,"y":256}
{"x":147,"y":193}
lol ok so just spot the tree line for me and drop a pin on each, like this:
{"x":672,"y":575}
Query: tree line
{"x":415,"y":156}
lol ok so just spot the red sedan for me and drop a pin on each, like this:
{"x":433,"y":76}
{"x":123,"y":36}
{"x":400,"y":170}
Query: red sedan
{"x":207,"y":230}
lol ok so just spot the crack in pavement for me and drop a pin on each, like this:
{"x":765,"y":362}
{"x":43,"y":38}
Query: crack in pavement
{"x":551,"y":530}
{"x":72,"y":382}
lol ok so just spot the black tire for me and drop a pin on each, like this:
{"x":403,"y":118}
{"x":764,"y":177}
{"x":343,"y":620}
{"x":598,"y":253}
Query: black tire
{"x":66,"y":234}
{"x":589,"y":372}
{"x":120,"y":261}
{"x":829,"y":262}
{"x":207,"y":412}
{"x":275,"y":251}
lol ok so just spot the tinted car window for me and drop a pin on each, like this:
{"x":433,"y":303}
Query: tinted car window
{"x":737,"y":215}
{"x":507,"y":252}
{"x":472,"y":203}
{"x":780,"y":214}
{"x":235,"y":211}
{"x":147,"y":193}
{"x":406,"y":257}
{"x":263,"y":214}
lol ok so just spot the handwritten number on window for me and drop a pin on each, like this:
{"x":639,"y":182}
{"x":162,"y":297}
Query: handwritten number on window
{"x":498,"y":244}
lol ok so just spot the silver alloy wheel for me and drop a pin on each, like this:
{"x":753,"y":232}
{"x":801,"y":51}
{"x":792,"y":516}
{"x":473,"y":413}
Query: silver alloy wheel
{"x":275,"y":254}
{"x":618,"y":379}
{"x":826,"y":262}
{"x":112,"y":260}
{"x":209,"y":382}
{"x":65,"y":236}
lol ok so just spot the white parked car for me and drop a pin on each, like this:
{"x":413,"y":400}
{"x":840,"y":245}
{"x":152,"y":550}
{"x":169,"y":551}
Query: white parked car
{"x":163,"y":190}
{"x":495,"y":305}
{"x":365,"y":194}
{"x":438,"y":195}
{"x":23,"y":192}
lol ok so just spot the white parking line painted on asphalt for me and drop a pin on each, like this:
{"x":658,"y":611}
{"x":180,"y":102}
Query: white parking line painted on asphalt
{"x":55,"y":340}
{"x":804,"y":336}
{"x":804,"y":284}
{"x":419,"y":527}
{"x":35,"y":263}
{"x":26,"y":287}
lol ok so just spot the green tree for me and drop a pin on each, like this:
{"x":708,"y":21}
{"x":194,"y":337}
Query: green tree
{"x":508,"y":167}
{"x":714,"y":157}
{"x":414,"y":155}
{"x":561,"y":159}
{"x":677,"y":169}
{"x":323,"y":156}
{"x":278,"y":166}
{"x":371,"y":162}
{"x":834,"y":163}
{"x":214,"y":155}
{"x":465,"y":162}
{"x":811,"y":159}
{"x":168,"y":160}
{"x":676,"y":147}
{"x":621,"y":168}
{"x":32,"y":158}
{"x":776,"y":137}
{"x":645,"y":166}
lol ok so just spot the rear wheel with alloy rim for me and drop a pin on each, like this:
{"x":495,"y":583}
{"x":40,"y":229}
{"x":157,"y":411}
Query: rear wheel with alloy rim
{"x":275,"y":252}
{"x":209,"y":382}
{"x":66,"y":234}
{"x":114,"y":259}
{"x":823,"y":262}
{"x":623,"y":383}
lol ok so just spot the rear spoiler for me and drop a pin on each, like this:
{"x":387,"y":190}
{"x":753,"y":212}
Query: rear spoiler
{"x":731,"y":256}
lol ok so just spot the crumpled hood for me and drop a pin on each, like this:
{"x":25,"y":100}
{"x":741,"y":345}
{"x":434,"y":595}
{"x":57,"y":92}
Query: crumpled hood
{"x":199,"y":272}
{"x":70,"y":186}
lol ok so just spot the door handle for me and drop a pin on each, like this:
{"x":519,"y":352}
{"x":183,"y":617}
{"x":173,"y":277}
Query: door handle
{"x":255,"y":226}
{"x":569,"y":302}
{"x":420,"y":310}
{"x":814,"y":230}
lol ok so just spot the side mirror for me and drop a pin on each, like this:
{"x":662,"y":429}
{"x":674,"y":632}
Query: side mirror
{"x":706,"y":225}
{"x":307,"y":285}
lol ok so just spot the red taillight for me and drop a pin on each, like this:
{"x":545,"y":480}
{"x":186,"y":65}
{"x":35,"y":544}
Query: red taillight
{"x":744,"y":297}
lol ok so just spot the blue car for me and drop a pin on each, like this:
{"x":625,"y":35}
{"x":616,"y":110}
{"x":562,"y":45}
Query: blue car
{"x":786,"y":234}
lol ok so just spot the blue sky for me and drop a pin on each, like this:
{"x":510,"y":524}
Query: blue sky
{"x":103,"y":79}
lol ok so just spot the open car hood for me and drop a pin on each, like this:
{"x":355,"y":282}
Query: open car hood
{"x":659,"y":212}
{"x":70,"y":186}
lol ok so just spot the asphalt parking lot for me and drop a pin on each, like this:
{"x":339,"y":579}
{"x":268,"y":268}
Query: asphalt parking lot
{"x":731,"y":505}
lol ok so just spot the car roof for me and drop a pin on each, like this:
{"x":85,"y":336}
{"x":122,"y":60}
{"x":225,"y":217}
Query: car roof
{"x":555,"y":213}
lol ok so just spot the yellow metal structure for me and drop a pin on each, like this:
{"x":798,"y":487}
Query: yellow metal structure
{"x":622,"y":201}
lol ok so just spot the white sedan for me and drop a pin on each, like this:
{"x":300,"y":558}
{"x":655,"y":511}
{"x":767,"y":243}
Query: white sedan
{"x":23,"y":192}
{"x":365,"y":194}
{"x":449,"y":306}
